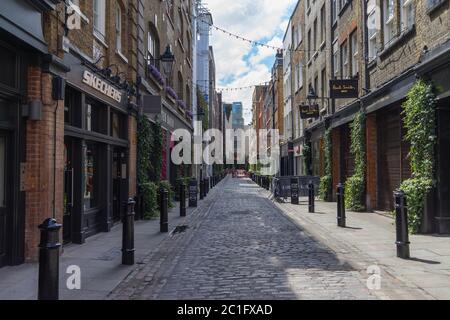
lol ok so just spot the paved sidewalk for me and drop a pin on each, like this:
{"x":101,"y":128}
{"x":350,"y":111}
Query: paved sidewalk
{"x":370,"y":239}
{"x":99,"y":259}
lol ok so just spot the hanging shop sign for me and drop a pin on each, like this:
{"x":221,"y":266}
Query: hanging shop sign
{"x":344,"y":88}
{"x":101,"y":86}
{"x":309,"y":111}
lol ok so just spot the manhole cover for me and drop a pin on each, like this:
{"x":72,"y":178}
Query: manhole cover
{"x":180,"y":229}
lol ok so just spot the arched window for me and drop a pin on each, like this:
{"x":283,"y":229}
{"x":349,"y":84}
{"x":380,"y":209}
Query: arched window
{"x":153,"y":50}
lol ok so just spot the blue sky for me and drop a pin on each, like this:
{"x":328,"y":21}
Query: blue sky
{"x":239,"y":63}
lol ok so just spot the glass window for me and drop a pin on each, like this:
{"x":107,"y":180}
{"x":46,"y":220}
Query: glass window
{"x":72,"y":107}
{"x":2,"y":170}
{"x":117,"y":125}
{"x":8,"y":74}
{"x":99,"y":7}
{"x":372,"y":18}
{"x":90,"y":176}
{"x":96,"y":117}
{"x":344,"y":59}
{"x":118,"y":28}
{"x":406,"y":14}
{"x":389,"y":29}
{"x":354,"y":55}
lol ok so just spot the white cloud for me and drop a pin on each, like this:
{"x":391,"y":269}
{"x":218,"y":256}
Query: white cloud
{"x":256,"y":20}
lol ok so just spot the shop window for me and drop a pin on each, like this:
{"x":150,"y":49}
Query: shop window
{"x":90,"y":198}
{"x":9,"y":64}
{"x":117,"y":126}
{"x":2,"y":170}
{"x":6,"y":112}
{"x":95,"y":117}
{"x":72,"y":107}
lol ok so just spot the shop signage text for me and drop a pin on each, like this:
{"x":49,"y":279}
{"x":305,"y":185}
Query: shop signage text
{"x":101,"y":86}
{"x":346,"y":88}
{"x":309,"y":111}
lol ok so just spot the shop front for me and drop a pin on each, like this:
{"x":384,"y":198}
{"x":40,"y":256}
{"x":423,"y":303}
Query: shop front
{"x":22,"y":49}
{"x":156,"y":109}
{"x":96,"y":174}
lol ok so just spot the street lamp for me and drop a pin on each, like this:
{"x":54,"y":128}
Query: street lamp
{"x":167,"y":61}
{"x":312,"y":96}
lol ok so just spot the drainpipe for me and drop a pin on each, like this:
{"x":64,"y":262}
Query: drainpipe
{"x":366,"y":46}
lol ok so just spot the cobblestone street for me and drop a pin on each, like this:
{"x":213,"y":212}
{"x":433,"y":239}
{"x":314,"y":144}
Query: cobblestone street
{"x":238,"y":245}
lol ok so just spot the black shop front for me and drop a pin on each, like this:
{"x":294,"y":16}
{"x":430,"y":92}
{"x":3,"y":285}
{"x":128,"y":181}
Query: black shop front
{"x":96,"y":152}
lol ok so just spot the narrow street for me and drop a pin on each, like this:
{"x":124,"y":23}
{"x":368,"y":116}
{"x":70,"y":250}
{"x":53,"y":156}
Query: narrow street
{"x":240,"y":246}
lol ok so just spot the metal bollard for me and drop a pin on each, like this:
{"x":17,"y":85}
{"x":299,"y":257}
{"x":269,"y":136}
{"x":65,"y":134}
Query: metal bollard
{"x":164,"y":200}
{"x":311,"y":204}
{"x":401,"y":225}
{"x":294,"y":191}
{"x":182,"y":200}
{"x":340,"y":206}
{"x":128,"y":233}
{"x":200,"y":183}
{"x":49,"y":260}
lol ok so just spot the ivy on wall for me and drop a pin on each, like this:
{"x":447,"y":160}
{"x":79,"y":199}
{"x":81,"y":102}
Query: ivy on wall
{"x":203,"y":107}
{"x":156,"y":151}
{"x":306,"y":154}
{"x":419,"y":112}
{"x":144,"y":166}
{"x":327,"y":180}
{"x":356,"y":185}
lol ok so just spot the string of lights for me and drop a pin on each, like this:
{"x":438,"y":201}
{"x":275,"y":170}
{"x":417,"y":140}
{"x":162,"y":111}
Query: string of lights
{"x":253,"y":42}
{"x":228,"y":89}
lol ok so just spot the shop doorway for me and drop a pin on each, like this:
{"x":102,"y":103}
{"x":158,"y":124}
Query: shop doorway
{"x":5,"y":203}
{"x":68,"y":191}
{"x":119,"y":177}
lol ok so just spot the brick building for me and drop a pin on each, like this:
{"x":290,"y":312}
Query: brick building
{"x":167,"y":95}
{"x":385,"y":46}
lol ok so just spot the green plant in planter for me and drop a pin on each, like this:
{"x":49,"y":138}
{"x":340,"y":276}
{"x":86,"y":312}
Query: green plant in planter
{"x":150,"y":192}
{"x":419,"y":112}
{"x":327,"y":180}
{"x":356,"y":184}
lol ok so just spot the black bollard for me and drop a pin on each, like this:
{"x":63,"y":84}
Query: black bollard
{"x":49,"y":260}
{"x":193,"y":191}
{"x":401,"y":225}
{"x":128,"y":233}
{"x":200,"y":183}
{"x":164,"y":224}
{"x":182,"y":200}
{"x":340,"y":206}
{"x":294,"y":191}
{"x":311,"y":205}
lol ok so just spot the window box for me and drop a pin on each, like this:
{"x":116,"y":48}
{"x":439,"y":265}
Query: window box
{"x":171,"y":93}
{"x":433,"y":5}
{"x":156,"y":75}
{"x":182,"y":106}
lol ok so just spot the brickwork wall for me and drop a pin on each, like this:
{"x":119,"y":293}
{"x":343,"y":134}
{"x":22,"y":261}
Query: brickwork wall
{"x":41,"y":193}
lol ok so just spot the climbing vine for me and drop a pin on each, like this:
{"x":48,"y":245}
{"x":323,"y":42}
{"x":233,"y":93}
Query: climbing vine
{"x":203,"y":108}
{"x":420,"y":123}
{"x":156,"y":151}
{"x":307,"y":158}
{"x":147,"y":188}
{"x":326,"y":181}
{"x":355,"y":185}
